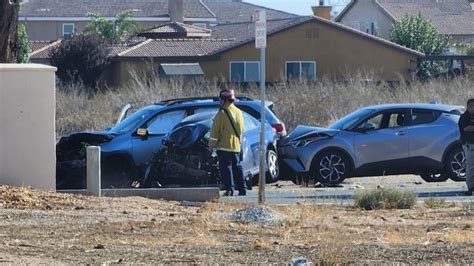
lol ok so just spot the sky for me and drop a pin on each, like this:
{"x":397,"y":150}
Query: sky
{"x":300,"y":7}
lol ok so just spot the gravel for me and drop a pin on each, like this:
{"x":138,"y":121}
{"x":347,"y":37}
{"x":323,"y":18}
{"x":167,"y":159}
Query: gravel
{"x":258,"y":215}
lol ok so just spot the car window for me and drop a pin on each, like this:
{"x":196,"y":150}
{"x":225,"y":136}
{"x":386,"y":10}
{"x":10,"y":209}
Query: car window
{"x":376,"y":121}
{"x":165,"y":122}
{"x":206,"y":110}
{"x":389,"y":119}
{"x":249,"y":122}
{"x":132,"y":121}
{"x":350,"y":119}
{"x":423,"y":116}
{"x":396,"y":119}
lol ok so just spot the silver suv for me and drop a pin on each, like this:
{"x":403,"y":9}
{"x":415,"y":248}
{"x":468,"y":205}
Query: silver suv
{"x":378,"y":140}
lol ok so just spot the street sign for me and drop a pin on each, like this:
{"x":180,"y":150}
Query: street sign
{"x":260,"y":29}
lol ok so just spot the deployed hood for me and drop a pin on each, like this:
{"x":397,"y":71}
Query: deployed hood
{"x":188,"y":134}
{"x":88,"y":137}
{"x":302,"y":131}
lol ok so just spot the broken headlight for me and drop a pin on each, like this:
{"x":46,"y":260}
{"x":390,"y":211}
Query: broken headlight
{"x":303,"y":142}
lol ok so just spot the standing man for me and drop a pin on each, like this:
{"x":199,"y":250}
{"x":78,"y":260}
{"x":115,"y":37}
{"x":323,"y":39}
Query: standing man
{"x":466,"y":127}
{"x":226,"y":137}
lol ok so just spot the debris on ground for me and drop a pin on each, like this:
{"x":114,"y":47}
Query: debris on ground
{"x":28,"y":198}
{"x":258,"y":215}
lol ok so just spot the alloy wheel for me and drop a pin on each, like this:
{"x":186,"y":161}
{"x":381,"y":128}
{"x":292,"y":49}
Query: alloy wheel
{"x":332,"y":168}
{"x":458,"y":166}
{"x":273,"y":168}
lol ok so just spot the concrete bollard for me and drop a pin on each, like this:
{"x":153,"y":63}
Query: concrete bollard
{"x":93,"y":171}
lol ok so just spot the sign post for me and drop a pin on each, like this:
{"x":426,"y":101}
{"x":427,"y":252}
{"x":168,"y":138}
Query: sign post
{"x":261,"y":43}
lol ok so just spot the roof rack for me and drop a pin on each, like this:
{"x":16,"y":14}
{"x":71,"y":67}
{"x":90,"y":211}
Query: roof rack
{"x":191,"y":99}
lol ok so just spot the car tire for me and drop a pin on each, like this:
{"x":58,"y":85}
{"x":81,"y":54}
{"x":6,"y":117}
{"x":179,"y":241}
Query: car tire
{"x":455,"y":164}
{"x":273,"y":168}
{"x":330,"y":167}
{"x":431,"y":178}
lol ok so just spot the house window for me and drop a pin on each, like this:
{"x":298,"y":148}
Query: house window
{"x":245,"y":71}
{"x":301,"y":70}
{"x":68,"y":30}
{"x":200,"y":25}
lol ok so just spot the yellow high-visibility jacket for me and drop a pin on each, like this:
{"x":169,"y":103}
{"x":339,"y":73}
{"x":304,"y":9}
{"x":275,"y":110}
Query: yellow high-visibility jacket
{"x":223,"y":136}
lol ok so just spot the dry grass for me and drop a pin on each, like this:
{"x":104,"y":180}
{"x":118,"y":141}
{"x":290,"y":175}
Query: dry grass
{"x":296,"y":103}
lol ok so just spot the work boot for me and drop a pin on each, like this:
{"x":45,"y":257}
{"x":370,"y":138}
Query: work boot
{"x":242,"y":193}
{"x":228,"y":193}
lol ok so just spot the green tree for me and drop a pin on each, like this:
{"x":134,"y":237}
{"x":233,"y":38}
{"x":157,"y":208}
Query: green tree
{"x":114,"y":31}
{"x":23,"y":45}
{"x":417,"y":33}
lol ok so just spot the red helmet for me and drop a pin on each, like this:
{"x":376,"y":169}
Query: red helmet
{"x":227,"y":94}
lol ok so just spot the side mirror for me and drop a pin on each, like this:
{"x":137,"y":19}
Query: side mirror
{"x":142,"y":132}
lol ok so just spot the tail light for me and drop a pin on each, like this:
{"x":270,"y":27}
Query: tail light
{"x":280,"y":129}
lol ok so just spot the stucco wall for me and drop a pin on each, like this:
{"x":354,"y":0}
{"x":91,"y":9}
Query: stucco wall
{"x":363,"y":13}
{"x":334,"y":50}
{"x":27,"y":125}
{"x":53,"y":30}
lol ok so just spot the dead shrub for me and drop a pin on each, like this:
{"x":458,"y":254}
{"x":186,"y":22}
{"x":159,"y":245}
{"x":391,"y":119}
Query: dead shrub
{"x":308,"y":103}
{"x":433,"y":203}
{"x":385,"y":198}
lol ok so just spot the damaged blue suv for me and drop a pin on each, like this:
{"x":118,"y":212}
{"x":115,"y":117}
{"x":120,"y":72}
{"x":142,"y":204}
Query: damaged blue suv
{"x":129,"y":146}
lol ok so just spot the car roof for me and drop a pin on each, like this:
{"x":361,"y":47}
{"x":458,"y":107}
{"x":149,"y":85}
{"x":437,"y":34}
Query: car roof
{"x":431,"y":106}
{"x":206,"y":100}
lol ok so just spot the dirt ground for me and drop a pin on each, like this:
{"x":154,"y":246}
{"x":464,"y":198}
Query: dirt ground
{"x":51,"y":228}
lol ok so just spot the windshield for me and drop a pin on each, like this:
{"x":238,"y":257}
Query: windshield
{"x":350,"y":119}
{"x":132,"y":121}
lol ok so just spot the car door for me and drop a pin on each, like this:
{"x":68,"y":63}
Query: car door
{"x":250,"y":144}
{"x":381,"y":143}
{"x":427,"y":137}
{"x":158,"y":127}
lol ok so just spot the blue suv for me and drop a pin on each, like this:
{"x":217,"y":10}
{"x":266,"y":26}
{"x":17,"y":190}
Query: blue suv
{"x":128,"y":147}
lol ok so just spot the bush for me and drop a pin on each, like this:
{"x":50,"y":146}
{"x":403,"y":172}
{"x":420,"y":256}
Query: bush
{"x":433,"y":203}
{"x":23,"y":45}
{"x":383,"y":198}
{"x":81,"y":59}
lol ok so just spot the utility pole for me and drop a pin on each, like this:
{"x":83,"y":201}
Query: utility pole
{"x":261,"y":43}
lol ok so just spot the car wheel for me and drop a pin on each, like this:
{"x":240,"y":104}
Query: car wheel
{"x":273,"y":171}
{"x":330,"y":167}
{"x":455,"y":165}
{"x":434,"y":177}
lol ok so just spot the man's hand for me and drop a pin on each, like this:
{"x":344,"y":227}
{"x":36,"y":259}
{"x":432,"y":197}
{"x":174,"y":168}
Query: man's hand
{"x":469,"y":129}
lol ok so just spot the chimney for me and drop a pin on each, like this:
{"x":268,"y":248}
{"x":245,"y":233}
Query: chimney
{"x":176,"y":10}
{"x":322,"y":10}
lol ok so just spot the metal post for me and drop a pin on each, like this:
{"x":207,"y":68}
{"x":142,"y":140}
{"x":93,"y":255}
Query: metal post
{"x":263,"y":154}
{"x":93,"y":171}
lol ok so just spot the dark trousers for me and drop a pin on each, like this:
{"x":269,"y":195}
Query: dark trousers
{"x":232,"y":173}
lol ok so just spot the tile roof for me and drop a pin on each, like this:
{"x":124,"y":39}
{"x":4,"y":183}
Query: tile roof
{"x":448,"y":16}
{"x":454,"y":17}
{"x":175,"y":30}
{"x":109,"y":8}
{"x":41,"y":49}
{"x":232,"y":11}
{"x":153,"y":48}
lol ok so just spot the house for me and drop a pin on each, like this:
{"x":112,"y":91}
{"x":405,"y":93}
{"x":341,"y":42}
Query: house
{"x":304,"y":48}
{"x":454,"y":18}
{"x":57,"y":19}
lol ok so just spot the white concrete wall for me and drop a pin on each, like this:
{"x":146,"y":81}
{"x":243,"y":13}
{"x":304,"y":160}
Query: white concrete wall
{"x":363,"y":13}
{"x":27,"y":125}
